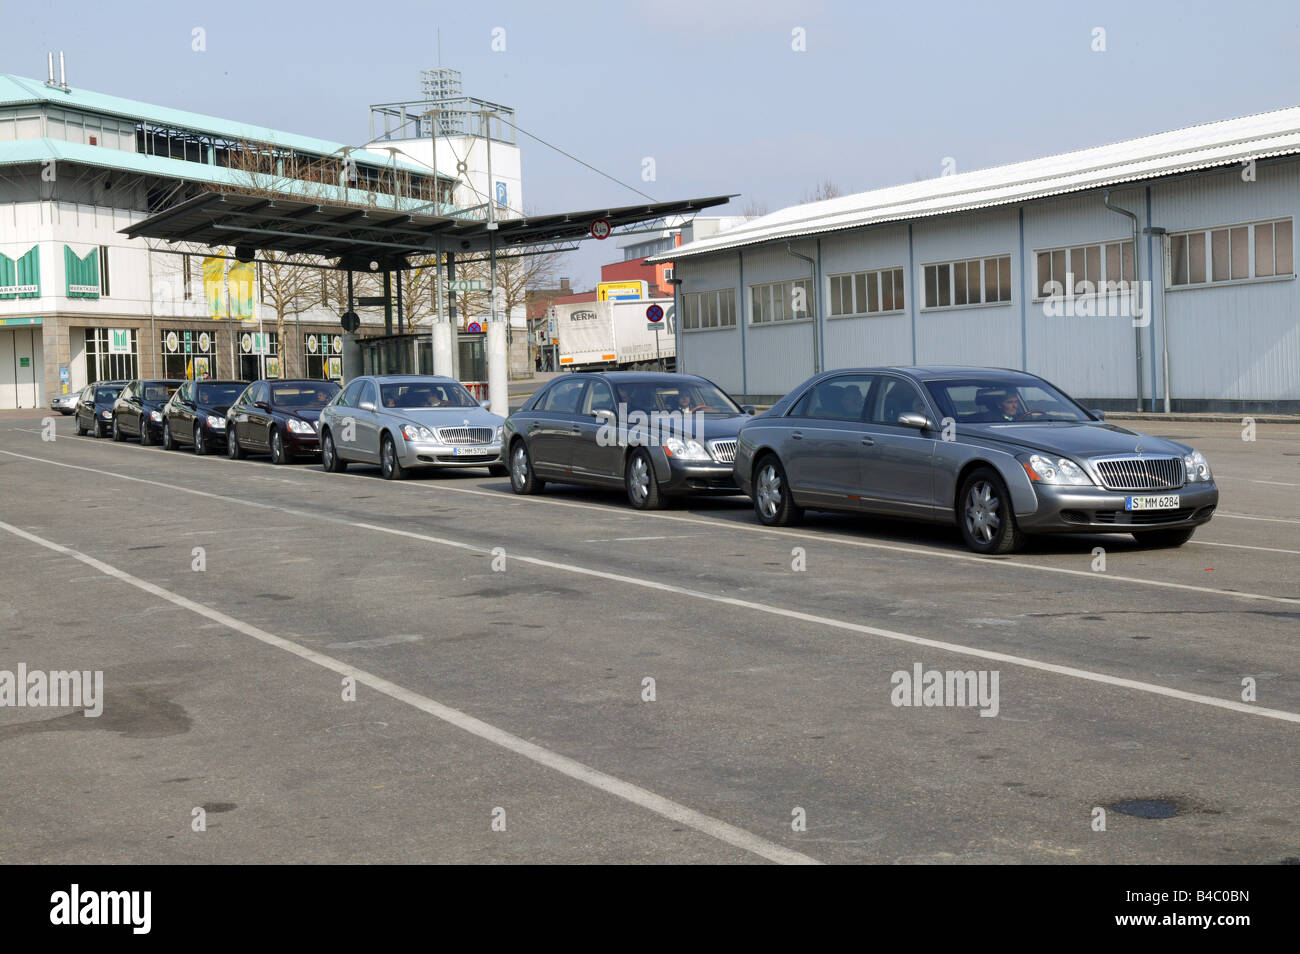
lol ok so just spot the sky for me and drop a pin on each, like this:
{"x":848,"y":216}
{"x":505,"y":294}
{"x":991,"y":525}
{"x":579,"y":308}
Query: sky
{"x":764,"y":98}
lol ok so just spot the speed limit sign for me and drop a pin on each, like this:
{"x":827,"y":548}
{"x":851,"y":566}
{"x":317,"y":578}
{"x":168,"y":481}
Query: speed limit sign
{"x":600,"y":229}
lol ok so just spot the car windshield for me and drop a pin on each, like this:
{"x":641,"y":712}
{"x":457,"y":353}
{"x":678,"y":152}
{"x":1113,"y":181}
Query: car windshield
{"x":106,"y":395}
{"x":159,"y":391}
{"x":991,"y":402}
{"x":426,"y":394}
{"x":682,"y":396}
{"x":303,"y":397}
{"x":219,"y":394}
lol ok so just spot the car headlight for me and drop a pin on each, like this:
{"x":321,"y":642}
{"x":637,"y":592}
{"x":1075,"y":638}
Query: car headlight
{"x":106,"y":414}
{"x":685,"y":450}
{"x":155,"y":416}
{"x":499,"y":433}
{"x":1055,"y":470}
{"x":1197,"y":467}
{"x":301,"y":427}
{"x":414,"y":432}
{"x":216,"y":422}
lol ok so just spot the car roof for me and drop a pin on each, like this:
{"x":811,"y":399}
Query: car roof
{"x":643,"y":377}
{"x":932,"y":372}
{"x":312,"y":381}
{"x":222,"y":381}
{"x":411,"y":378}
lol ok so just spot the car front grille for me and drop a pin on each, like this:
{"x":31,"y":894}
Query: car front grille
{"x":464,"y":435}
{"x":723,"y":451}
{"x":1140,"y":473}
{"x":1139,"y":517}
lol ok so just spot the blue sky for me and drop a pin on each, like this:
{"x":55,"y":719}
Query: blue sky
{"x":713,"y":91}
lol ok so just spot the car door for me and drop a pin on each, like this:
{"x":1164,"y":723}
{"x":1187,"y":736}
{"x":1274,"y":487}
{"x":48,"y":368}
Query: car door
{"x":258,"y":417}
{"x":174,"y":414}
{"x":552,"y":431}
{"x":597,"y":454}
{"x":825,"y":434}
{"x":343,"y":418}
{"x":86,"y":408}
{"x":367,"y":411}
{"x":897,"y":466}
{"x":124,"y":410}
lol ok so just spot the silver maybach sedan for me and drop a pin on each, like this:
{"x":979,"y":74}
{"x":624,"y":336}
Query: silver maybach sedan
{"x":999,"y":453}
{"x":405,"y":422}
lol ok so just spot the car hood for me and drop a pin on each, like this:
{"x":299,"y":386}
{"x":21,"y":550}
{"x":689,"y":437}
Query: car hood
{"x":1073,"y":439}
{"x":443,"y":416}
{"x":216,"y":409}
{"x":303,"y":414}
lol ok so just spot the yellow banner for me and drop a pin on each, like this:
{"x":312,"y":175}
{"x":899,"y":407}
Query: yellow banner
{"x":214,"y":286}
{"x":241,"y":280}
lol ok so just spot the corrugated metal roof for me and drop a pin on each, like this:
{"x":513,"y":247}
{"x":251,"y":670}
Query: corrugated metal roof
{"x":1230,"y":141}
{"x":19,"y":90}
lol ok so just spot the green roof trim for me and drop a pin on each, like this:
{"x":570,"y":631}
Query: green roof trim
{"x":19,"y":91}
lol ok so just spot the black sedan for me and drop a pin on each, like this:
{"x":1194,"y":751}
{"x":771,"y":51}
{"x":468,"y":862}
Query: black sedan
{"x":137,"y":412}
{"x":196,"y":414}
{"x":94,"y":413}
{"x":656,"y":435}
{"x":279,"y":418}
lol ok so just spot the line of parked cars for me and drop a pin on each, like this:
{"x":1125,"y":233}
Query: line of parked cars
{"x":999,"y":454}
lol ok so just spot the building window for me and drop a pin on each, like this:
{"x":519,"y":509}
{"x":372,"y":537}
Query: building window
{"x":1083,"y":270}
{"x":781,"y":301}
{"x":103,"y":271}
{"x":977,"y":281}
{"x":322,"y":356}
{"x":702,"y":311}
{"x":867,"y":293}
{"x":259,"y":355}
{"x":111,"y":354}
{"x":1234,"y":253}
{"x":189,"y":355}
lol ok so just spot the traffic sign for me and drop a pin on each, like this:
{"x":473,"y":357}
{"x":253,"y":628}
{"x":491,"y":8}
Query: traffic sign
{"x":655,"y":313}
{"x":600,"y":229}
{"x":474,"y":328}
{"x":350,"y":322}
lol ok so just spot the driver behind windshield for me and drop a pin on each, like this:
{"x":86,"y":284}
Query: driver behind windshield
{"x":1010,"y":408}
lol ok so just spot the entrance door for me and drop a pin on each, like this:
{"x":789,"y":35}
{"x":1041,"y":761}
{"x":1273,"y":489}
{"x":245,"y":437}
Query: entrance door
{"x":21,"y":367}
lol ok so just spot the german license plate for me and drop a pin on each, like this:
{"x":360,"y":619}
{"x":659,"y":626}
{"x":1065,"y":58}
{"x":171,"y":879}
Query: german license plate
{"x":473,"y":451}
{"x":1162,"y":502}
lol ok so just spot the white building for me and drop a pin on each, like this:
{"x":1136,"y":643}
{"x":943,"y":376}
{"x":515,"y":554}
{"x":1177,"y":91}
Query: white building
{"x":1033,"y":265}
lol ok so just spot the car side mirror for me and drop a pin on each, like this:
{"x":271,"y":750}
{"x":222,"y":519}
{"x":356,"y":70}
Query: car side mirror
{"x":366,"y":406}
{"x":1098,"y":414}
{"x":918,"y":421}
{"x":266,"y":407}
{"x":485,"y":405}
{"x":604,"y":416}
{"x":749,"y":409}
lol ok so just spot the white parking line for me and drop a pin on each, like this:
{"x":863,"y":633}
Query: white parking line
{"x":1242,"y":546}
{"x":644,"y":798}
{"x":1255,"y":480}
{"x":827,"y":621}
{"x":1246,"y":516}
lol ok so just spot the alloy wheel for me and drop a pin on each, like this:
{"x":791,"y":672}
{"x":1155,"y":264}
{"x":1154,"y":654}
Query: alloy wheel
{"x":982,"y":512}
{"x":768,"y":490}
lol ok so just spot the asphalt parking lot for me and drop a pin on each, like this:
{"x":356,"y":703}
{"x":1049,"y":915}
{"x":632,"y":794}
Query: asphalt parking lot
{"x":501,"y":648}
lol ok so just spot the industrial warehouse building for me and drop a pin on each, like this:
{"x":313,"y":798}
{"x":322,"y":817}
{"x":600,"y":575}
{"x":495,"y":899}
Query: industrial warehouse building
{"x":1157,"y":273}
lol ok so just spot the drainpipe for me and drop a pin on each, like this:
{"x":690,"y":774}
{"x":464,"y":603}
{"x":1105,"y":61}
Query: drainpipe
{"x":816,"y":354}
{"x":1134,"y":296}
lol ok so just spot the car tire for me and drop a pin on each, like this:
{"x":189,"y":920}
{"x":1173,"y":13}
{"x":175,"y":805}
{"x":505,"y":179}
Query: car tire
{"x":499,"y":470}
{"x":329,"y":455}
{"x":233,"y":450}
{"x":278,"y":453}
{"x":99,"y":429}
{"x":1161,"y":539}
{"x":200,"y":442}
{"x":640,"y":482}
{"x":81,"y":428}
{"x":118,"y":436}
{"x":168,"y":441}
{"x":772,"y":499}
{"x":523,"y":480}
{"x":985,"y":515}
{"x":146,"y":439}
{"x":389,"y":464}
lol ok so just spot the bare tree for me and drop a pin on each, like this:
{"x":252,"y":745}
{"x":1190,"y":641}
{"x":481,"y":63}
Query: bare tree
{"x":825,"y":189}
{"x":288,"y":288}
{"x":754,"y":209}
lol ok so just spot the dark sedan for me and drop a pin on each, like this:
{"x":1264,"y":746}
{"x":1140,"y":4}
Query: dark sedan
{"x":279,"y":418}
{"x":656,"y":435}
{"x":999,"y":453}
{"x":94,"y":414}
{"x":138,"y":409}
{"x":196,"y":414}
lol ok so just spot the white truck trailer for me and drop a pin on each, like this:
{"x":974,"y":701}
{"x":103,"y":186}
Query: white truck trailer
{"x":616,"y":336}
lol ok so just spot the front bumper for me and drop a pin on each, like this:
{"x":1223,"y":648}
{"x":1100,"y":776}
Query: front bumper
{"x":301,"y":443}
{"x":432,"y":454}
{"x":1095,"y":510}
{"x":678,"y":476}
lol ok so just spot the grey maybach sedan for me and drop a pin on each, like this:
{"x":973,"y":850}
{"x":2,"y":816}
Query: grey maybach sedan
{"x":999,"y":453}
{"x":407,"y":422}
